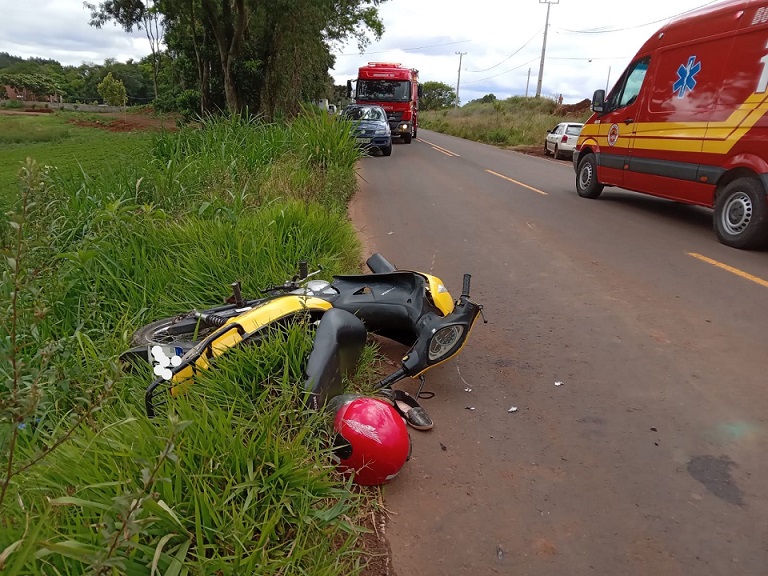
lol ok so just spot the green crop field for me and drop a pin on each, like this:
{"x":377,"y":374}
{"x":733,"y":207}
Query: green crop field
{"x":52,"y":140}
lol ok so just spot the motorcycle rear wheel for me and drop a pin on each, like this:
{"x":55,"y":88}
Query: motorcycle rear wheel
{"x":157,"y":332}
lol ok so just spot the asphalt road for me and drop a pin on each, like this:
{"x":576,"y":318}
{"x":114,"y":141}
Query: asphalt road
{"x":650,"y":457}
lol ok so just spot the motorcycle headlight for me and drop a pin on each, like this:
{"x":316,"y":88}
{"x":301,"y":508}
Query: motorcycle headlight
{"x":444,"y":341}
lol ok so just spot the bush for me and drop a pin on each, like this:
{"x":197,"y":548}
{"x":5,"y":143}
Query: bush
{"x":15,"y":104}
{"x":188,"y":104}
{"x":512,"y":122}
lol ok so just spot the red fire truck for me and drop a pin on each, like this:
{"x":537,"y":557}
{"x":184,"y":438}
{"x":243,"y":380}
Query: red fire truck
{"x":396,"y":89}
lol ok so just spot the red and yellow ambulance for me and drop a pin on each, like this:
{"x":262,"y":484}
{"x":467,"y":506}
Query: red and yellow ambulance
{"x":687,"y":120}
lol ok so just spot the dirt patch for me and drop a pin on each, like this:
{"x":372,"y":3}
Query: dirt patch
{"x":378,"y":555}
{"x":531,"y":150}
{"x":577,"y":109}
{"x":129,"y":122}
{"x":25,"y":112}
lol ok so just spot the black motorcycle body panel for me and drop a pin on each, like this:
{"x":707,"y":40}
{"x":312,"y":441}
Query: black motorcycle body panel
{"x":338,"y":344}
{"x":389,"y":304}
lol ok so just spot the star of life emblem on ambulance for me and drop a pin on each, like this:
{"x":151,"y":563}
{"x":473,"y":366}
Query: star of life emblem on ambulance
{"x":686,"y":77}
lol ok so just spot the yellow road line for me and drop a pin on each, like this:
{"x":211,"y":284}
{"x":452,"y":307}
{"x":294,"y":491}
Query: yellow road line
{"x":443,"y":152}
{"x":518,"y":183}
{"x":731,"y":269}
{"x":439,"y":148}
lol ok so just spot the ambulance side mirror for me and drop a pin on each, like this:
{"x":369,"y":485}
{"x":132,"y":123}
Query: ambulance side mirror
{"x":349,"y":88}
{"x":421,"y":91}
{"x":598,"y":101}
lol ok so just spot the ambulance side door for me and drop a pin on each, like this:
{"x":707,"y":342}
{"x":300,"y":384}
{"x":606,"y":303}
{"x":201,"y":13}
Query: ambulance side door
{"x":616,"y":123}
{"x":666,"y":151}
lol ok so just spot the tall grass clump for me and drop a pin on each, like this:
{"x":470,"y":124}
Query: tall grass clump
{"x":248,"y":162}
{"x":517,"y":121}
{"x":236,"y":478}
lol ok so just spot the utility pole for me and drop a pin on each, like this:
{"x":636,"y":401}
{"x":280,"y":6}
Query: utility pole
{"x":458,"y":82}
{"x":544,"y":45}
{"x":528,"y":83}
{"x":609,"y":80}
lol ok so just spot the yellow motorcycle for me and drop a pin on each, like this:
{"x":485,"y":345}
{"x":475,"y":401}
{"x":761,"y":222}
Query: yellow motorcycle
{"x":412,"y":308}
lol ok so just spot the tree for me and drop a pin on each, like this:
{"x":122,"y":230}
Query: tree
{"x":487,"y":99}
{"x":437,"y":95}
{"x":113,"y":91}
{"x":268,"y":55}
{"x":39,"y":86}
{"x":143,"y":15}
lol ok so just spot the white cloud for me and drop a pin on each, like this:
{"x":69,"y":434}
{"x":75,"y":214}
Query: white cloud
{"x":490,"y":31}
{"x":59,"y":29}
{"x":424,"y":34}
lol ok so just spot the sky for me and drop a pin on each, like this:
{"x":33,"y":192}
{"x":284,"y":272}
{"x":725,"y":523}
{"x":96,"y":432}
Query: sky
{"x":589,"y":42}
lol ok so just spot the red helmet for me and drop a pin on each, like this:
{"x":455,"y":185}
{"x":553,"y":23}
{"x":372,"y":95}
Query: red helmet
{"x":371,"y":440}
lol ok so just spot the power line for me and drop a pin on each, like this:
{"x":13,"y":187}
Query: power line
{"x":404,"y":49}
{"x":605,"y":30}
{"x":502,"y":73}
{"x":508,"y":57}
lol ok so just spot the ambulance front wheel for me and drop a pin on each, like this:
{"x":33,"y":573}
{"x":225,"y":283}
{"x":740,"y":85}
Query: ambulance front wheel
{"x":741,"y":214}
{"x":587,"y":185}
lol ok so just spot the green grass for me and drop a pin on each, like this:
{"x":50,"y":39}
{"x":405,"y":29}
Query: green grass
{"x":516,"y":121}
{"x":247,"y":486}
{"x":51,"y":140}
{"x":123,"y":229}
{"x":31,"y":130}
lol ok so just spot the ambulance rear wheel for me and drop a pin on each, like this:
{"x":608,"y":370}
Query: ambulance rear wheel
{"x":741,"y":214}
{"x":587,"y":185}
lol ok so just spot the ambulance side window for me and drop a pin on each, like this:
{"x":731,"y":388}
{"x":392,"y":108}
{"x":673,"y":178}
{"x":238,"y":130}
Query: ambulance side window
{"x":627,"y":89}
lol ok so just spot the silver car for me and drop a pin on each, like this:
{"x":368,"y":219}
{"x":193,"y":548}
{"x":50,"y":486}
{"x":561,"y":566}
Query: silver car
{"x":561,"y":140}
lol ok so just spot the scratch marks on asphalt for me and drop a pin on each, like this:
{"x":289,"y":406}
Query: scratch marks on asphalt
{"x":518,"y":183}
{"x":440,"y":149}
{"x":731,"y":269}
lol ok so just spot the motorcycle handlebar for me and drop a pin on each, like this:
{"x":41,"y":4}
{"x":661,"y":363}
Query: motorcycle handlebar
{"x":465,"y":287}
{"x":398,"y":374}
{"x":295,"y":282}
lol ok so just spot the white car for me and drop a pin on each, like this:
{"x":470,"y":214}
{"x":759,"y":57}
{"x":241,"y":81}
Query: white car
{"x":561,"y":140}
